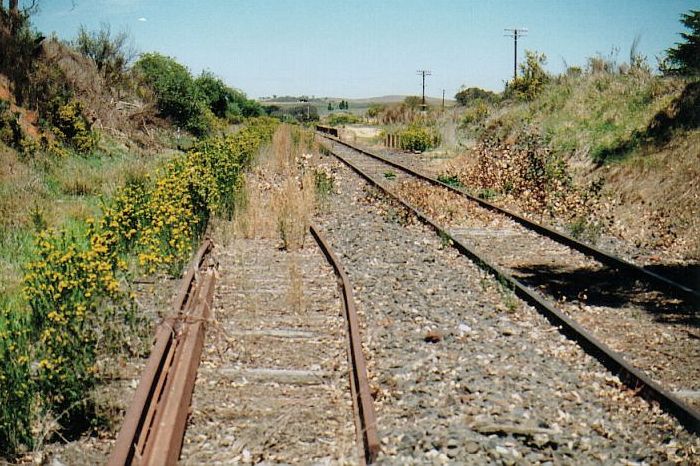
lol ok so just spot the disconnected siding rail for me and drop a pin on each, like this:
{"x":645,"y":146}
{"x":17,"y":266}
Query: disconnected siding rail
{"x":154,"y":425}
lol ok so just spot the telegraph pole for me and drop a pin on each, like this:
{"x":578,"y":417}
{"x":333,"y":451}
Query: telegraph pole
{"x":443,"y":100}
{"x":424,"y":73}
{"x":515,"y":33}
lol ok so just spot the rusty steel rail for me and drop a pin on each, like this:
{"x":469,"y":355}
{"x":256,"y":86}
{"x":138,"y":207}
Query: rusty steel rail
{"x":365,"y":418}
{"x":634,"y":378}
{"x":663,"y":283}
{"x":154,"y":424}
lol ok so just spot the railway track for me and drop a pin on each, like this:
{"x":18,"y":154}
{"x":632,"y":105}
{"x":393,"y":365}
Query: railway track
{"x":156,"y":424}
{"x":582,"y":291}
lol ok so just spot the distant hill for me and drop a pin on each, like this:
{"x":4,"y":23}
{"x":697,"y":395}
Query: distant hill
{"x":391,"y":99}
{"x":361,"y":102}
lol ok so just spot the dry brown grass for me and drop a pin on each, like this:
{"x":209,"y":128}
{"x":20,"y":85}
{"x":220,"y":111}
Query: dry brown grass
{"x":293,"y":205}
{"x":277,"y":198}
{"x":295,"y":292}
{"x":252,"y":217}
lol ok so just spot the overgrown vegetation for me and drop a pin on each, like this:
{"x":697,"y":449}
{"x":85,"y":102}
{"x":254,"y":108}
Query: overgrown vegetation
{"x":530,"y":83}
{"x":78,"y":278}
{"x":83,"y":208}
{"x":562,"y":147}
{"x":111,"y":53}
{"x":418,"y":138}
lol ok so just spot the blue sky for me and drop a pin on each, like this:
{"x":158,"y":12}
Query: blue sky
{"x":364,"y":48}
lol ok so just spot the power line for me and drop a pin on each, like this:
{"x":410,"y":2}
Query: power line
{"x":515,"y":33}
{"x":424,"y":73}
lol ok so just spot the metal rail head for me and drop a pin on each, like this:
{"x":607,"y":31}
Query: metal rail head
{"x":366,"y":421}
{"x":614,"y":362}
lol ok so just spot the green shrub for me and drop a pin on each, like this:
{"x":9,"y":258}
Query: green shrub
{"x":451,"y":180}
{"x":177,"y":95}
{"x":324,"y":183}
{"x":10,"y":130}
{"x":224,"y":101}
{"x":335,"y":119}
{"x":71,"y":126}
{"x":475,"y":114}
{"x":533,"y":79}
{"x":418,"y":139}
{"x":470,"y":95}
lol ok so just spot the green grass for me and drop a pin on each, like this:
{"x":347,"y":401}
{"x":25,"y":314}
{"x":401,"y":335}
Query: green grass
{"x":450,"y":180}
{"x":47,"y":192}
{"x":603,"y":115}
{"x":602,"y":112}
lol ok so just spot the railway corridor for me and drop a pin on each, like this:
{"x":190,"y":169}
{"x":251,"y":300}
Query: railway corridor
{"x":273,"y":382}
{"x":461,"y":371}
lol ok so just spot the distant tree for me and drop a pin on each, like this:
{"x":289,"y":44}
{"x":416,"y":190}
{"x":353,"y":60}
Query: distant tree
{"x":111,"y":53}
{"x":330,"y":107}
{"x":412,"y":101}
{"x":684,"y":58}
{"x":303,"y":113}
{"x":533,"y":79}
{"x":470,"y":95}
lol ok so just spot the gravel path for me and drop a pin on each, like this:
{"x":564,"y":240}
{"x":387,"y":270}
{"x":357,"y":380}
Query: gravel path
{"x":464,"y":372}
{"x":273,"y":384}
{"x":656,"y":334}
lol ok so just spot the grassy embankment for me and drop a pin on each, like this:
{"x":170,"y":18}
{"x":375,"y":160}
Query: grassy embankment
{"x":90,"y":199}
{"x":599,"y":151}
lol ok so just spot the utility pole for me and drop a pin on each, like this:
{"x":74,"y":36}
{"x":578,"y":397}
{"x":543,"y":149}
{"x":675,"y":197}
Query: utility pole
{"x":424,"y":73}
{"x":443,"y":100}
{"x":515,"y":33}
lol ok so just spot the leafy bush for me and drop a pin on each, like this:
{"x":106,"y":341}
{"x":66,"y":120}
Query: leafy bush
{"x":111,"y":54}
{"x":71,"y":126}
{"x":177,"y":95}
{"x":469,"y":95}
{"x":335,"y":119}
{"x":10,"y":130}
{"x":412,"y":101}
{"x":475,"y":114}
{"x":224,"y":101}
{"x":374,"y":110}
{"x":534,"y":77}
{"x":418,"y":138}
